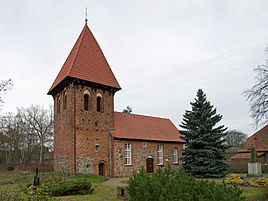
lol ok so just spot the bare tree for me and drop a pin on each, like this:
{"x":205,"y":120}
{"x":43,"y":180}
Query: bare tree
{"x":127,"y":110}
{"x":12,"y":139}
{"x":5,"y":85}
{"x":235,"y":138}
{"x":39,"y":122}
{"x":258,"y":94}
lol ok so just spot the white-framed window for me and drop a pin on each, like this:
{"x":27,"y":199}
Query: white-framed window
{"x":127,"y":154}
{"x":175,"y":155}
{"x":144,"y":144}
{"x":160,"y":154}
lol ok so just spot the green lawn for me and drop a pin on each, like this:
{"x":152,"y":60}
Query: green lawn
{"x":100,"y":193}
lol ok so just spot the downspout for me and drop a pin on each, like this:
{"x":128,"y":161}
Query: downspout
{"x":74,"y":130}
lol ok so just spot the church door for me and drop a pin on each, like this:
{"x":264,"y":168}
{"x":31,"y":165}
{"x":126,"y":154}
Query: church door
{"x":150,"y":165}
{"x":101,"y":169}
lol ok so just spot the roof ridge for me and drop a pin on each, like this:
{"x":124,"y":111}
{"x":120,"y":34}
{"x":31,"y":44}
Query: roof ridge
{"x":143,"y":115}
{"x":78,"y":47}
{"x":258,"y":132}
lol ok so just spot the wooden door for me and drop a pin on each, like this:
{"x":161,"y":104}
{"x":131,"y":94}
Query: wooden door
{"x":101,"y":169}
{"x":150,"y":165}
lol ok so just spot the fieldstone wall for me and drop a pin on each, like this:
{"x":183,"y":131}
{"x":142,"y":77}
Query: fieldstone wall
{"x":63,"y":164}
{"x":140,"y":154}
{"x":85,"y":165}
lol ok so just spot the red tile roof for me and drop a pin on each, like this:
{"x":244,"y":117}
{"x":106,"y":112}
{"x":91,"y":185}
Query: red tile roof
{"x":246,"y":155}
{"x":87,"y":62}
{"x":133,"y":126}
{"x":259,"y":139}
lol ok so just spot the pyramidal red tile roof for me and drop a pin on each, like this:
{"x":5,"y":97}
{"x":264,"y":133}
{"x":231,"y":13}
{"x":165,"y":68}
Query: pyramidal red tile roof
{"x":87,"y":62}
{"x":259,"y":139}
{"x":139,"y":127}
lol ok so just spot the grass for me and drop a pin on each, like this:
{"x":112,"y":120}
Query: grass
{"x":254,"y":194}
{"x":100,"y":193}
{"x":21,"y":179}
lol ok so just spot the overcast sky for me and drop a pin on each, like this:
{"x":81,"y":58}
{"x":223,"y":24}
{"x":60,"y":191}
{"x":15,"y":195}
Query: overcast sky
{"x":161,"y":52}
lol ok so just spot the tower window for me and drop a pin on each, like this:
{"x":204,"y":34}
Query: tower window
{"x":58,"y":105}
{"x":99,"y":102}
{"x":65,"y":101}
{"x":87,"y":100}
{"x":97,"y":148}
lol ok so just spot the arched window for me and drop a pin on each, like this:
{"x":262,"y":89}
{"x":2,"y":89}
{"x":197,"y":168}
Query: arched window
{"x":99,"y":102}
{"x":58,"y":105}
{"x":160,"y":154}
{"x":65,"y":101}
{"x":175,"y":155}
{"x":87,"y":100}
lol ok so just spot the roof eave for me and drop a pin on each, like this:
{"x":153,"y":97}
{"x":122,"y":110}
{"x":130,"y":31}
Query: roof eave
{"x":85,"y":81}
{"x":148,"y":140}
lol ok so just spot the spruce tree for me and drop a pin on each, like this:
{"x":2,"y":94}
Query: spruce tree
{"x":203,"y":155}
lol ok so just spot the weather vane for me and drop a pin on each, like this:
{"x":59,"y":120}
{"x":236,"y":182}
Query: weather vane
{"x":86,"y":15}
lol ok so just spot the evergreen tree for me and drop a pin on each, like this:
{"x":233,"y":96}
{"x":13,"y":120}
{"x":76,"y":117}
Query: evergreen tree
{"x":203,"y":155}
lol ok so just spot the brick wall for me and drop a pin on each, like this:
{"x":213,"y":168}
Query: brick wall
{"x":64,"y":132}
{"x":91,"y":129}
{"x":140,"y":154}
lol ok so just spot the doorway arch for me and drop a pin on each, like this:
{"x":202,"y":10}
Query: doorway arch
{"x":149,"y":164}
{"x":101,"y":169}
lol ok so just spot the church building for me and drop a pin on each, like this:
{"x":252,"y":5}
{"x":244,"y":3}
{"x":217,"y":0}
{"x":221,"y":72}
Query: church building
{"x":89,"y":136}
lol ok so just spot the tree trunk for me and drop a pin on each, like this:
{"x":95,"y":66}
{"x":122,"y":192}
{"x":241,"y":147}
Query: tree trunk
{"x":41,"y":152}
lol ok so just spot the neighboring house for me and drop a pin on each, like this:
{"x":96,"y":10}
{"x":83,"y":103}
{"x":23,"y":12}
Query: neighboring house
{"x":89,"y":137}
{"x":242,"y":158}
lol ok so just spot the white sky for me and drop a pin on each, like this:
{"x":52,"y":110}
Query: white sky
{"x":161,"y":52}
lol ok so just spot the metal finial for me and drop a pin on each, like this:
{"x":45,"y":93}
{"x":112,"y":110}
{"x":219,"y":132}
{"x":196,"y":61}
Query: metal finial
{"x":86,"y":15}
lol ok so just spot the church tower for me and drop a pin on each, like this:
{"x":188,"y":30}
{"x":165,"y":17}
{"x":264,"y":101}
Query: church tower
{"x":83,"y":94}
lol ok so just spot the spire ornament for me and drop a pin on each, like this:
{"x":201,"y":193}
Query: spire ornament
{"x":86,"y":15}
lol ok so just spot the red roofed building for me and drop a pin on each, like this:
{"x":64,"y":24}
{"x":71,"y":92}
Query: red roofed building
{"x":89,"y":137}
{"x":239,"y":162}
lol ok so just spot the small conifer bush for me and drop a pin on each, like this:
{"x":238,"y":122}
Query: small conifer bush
{"x":10,"y":168}
{"x":77,"y":187}
{"x":177,"y":185}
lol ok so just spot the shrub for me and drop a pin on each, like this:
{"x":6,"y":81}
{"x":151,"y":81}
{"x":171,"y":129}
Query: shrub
{"x":36,"y":193}
{"x":10,"y":168}
{"x":177,"y":185}
{"x":261,"y":182}
{"x":77,"y":187}
{"x":233,"y":179}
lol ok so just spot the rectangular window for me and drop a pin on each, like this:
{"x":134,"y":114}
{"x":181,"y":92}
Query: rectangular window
{"x":144,"y":144}
{"x":160,"y":154}
{"x":97,"y":147}
{"x":175,"y":156}
{"x":127,"y":154}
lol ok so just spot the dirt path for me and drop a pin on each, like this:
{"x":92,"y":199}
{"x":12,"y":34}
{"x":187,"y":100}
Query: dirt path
{"x":115,"y":181}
